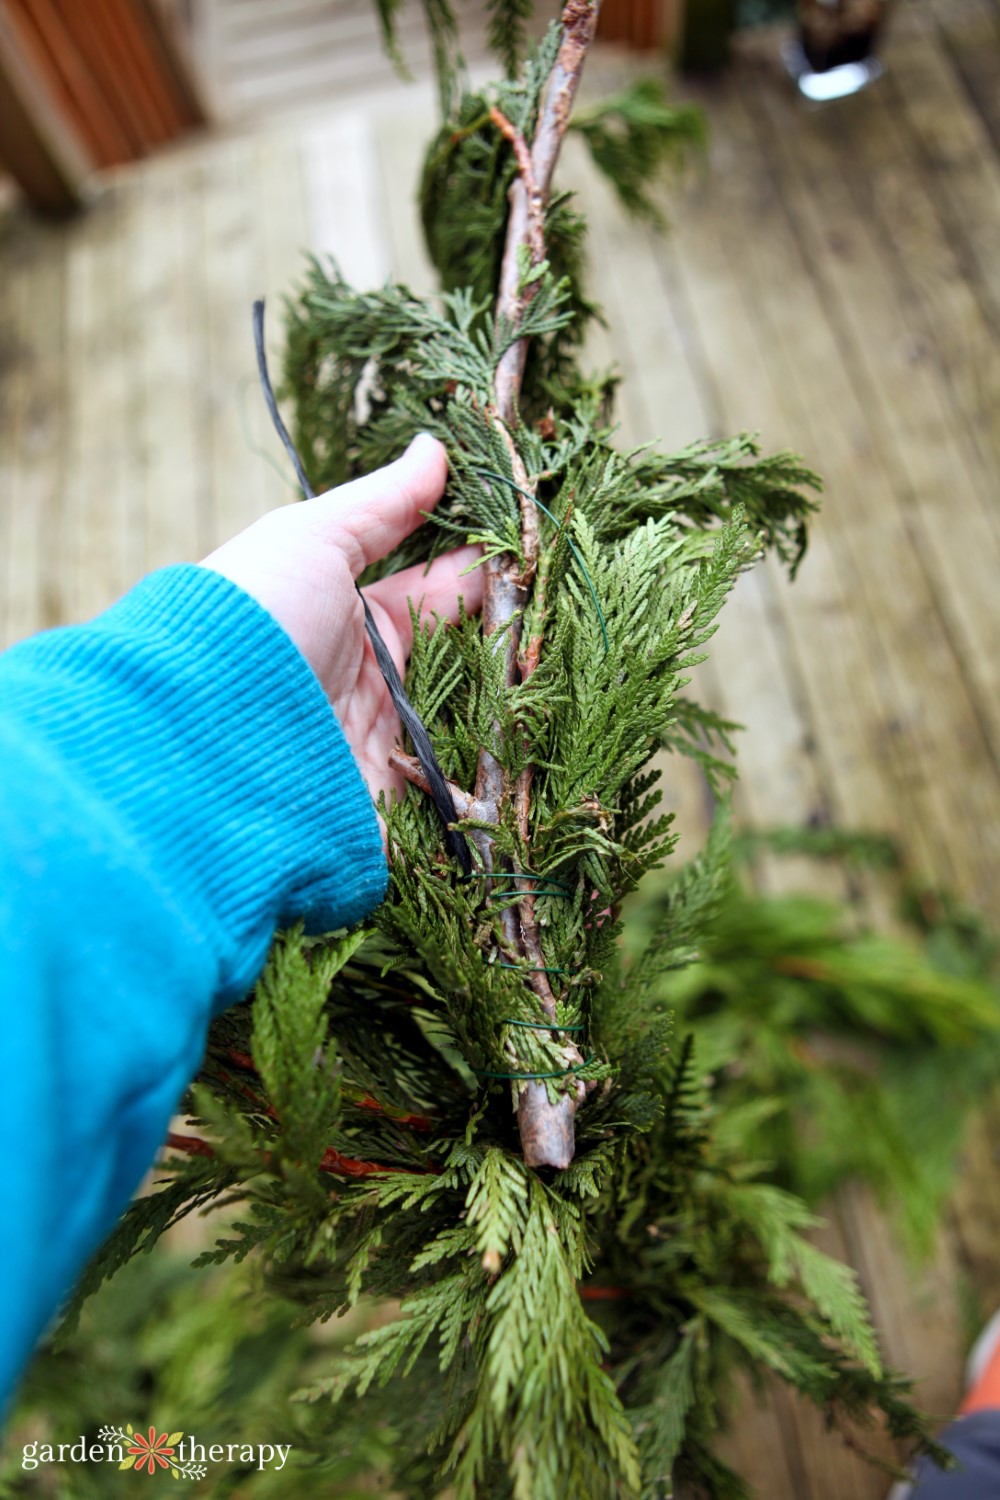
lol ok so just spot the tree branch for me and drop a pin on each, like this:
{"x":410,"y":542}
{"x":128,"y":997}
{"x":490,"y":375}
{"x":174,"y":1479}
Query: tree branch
{"x":579,"y":22}
{"x":465,"y":805}
{"x":546,"y":1128}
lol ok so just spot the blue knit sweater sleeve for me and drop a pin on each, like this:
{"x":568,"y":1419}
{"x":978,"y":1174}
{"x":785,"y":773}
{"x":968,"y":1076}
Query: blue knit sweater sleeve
{"x":173,"y":786}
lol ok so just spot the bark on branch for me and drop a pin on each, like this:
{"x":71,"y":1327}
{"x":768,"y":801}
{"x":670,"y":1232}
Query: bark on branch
{"x":546,"y":1129}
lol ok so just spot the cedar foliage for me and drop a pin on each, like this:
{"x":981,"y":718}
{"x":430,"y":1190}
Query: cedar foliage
{"x":839,"y":1052}
{"x":563,"y":1332}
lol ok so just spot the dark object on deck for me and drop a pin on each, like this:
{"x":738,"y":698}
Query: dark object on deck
{"x":835,"y":32}
{"x":834,"y":54}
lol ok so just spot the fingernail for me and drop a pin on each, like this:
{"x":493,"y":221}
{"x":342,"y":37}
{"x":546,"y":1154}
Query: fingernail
{"x":421,"y":437}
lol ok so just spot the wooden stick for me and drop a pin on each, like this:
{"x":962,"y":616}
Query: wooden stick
{"x":546,"y":1129}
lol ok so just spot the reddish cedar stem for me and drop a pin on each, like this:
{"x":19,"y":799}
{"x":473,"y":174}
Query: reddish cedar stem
{"x":331,"y":1161}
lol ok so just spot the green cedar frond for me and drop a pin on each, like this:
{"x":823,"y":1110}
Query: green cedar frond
{"x":296,"y":1067}
{"x":873,"y":851}
{"x":659,"y":1424}
{"x":634,"y":136}
{"x":449,"y":65}
{"x":555,"y":1429}
{"x":855,"y":1040}
{"x":507,"y":29}
{"x":497,"y":1205}
{"x":387,"y":12}
{"x":778,"y":1220}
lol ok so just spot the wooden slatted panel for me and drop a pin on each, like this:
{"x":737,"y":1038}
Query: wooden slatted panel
{"x":37,"y":143}
{"x":111,"y":68}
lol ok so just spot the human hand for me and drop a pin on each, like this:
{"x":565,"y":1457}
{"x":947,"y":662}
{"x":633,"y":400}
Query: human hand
{"x":300,"y":562}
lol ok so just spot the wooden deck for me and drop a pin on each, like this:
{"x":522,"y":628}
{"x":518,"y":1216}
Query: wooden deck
{"x":261,"y":59}
{"x":832,"y":279}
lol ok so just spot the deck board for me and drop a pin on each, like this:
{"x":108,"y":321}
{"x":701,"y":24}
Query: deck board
{"x":931,"y":603}
{"x":970,"y":32}
{"x":830,"y":278}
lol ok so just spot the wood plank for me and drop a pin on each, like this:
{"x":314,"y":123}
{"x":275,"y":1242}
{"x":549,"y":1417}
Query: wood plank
{"x":153,"y":92}
{"x":58,"y":62}
{"x":932,"y":642}
{"x":284,"y":220}
{"x":100,"y":560}
{"x":315,"y":84}
{"x":164,"y":254}
{"x":235,"y":16}
{"x":959,"y":165}
{"x":975,"y":1207}
{"x":111,"y":75}
{"x":14,"y":363}
{"x":971,"y":29}
{"x":400,"y":140}
{"x":342,"y":197}
{"x":270,"y":58}
{"x":174,"y":45}
{"x":323,"y":29}
{"x":755,"y":1443}
{"x":36,"y":389}
{"x":740,"y":375}
{"x":325,"y":78}
{"x":671,"y":392}
{"x":902,"y":1303}
{"x":728,"y":291}
{"x":941,"y":300}
{"x":232,"y":275}
{"x":915,"y":1307}
{"x":730,"y":264}
{"x":207,"y":50}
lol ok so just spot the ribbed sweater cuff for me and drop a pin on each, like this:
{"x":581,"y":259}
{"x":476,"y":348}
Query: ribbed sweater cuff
{"x":189,"y":710}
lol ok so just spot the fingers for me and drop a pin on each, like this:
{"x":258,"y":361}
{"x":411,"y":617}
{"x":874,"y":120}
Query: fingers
{"x":436,"y":589}
{"x":370,"y":516}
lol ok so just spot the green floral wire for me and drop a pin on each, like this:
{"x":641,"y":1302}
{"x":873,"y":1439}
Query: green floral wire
{"x":535,"y":969}
{"x":494,"y":474}
{"x":512,"y":893}
{"x":563,"y":890}
{"x":558,"y":889}
{"x":540,"y":1025}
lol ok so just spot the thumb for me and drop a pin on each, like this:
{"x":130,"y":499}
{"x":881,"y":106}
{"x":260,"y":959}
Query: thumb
{"x":369,"y":517}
